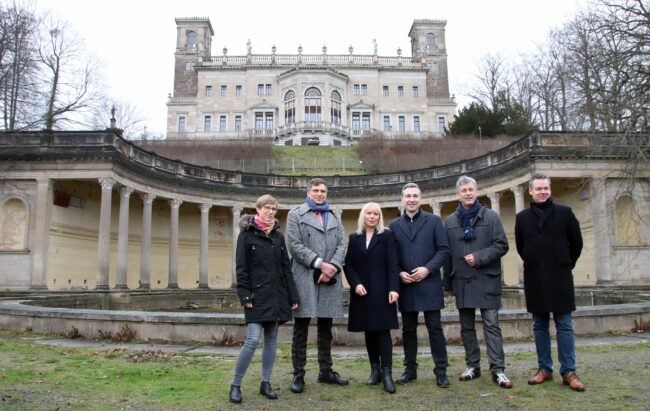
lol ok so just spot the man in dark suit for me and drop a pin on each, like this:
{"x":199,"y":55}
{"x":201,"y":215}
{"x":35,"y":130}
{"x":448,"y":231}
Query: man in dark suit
{"x":422,"y":249}
{"x":549,"y":242}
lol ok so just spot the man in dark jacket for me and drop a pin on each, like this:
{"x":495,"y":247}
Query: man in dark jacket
{"x":549,"y":242}
{"x":473,"y":275}
{"x":422,"y":249}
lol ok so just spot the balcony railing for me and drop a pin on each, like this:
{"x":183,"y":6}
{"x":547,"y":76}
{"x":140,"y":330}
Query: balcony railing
{"x":314,"y":59}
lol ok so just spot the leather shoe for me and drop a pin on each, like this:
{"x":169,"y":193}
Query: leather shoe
{"x":267,"y":391}
{"x":235,"y":394}
{"x":407,"y":376}
{"x":572,"y":380}
{"x":298,"y":384}
{"x":387,"y":378}
{"x":540,"y":377}
{"x":442,"y":381}
{"x":375,"y":374}
{"x":332,"y":377}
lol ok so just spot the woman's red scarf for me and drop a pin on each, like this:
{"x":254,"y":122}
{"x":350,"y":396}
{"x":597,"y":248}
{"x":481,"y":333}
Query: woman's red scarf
{"x":263,"y":225}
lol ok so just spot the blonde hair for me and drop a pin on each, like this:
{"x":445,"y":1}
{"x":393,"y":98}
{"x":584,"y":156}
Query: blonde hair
{"x":360,"y":224}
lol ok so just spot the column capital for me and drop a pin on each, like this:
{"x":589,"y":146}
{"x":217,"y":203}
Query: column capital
{"x":518,"y":191}
{"x":175,"y":202}
{"x":205,"y":207}
{"x":494,"y":197}
{"x":107,"y":183}
{"x":126,"y":191}
{"x":147,"y":197}
{"x":236,"y":209}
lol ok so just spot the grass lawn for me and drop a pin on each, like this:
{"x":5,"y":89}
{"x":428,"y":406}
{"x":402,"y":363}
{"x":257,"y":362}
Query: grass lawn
{"x":38,"y":377}
{"x":325,"y":160}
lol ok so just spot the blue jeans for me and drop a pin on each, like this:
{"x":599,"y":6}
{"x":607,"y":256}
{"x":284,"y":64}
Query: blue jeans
{"x":254,"y":332}
{"x":565,"y":342}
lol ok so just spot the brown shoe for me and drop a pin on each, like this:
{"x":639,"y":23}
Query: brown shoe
{"x":572,"y":380}
{"x":540,"y":377}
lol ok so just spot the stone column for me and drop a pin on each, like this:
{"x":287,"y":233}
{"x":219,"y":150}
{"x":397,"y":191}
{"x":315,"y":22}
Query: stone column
{"x":494,"y":202}
{"x":173,"y":244}
{"x":203,"y":253}
{"x":123,"y":239}
{"x":435,"y":207}
{"x":602,"y":231}
{"x":44,"y":198}
{"x":145,"y":249}
{"x":518,"y":191}
{"x":236,"y":215}
{"x":104,"y":241}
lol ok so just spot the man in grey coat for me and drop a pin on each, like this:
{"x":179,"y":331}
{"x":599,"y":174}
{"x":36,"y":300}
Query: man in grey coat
{"x":473,"y":275}
{"x":315,"y":239}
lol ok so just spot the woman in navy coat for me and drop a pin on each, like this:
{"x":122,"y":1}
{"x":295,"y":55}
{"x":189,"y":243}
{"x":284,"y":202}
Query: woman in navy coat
{"x":373,"y":274}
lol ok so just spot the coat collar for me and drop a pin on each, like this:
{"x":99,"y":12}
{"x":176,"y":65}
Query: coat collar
{"x":404,"y":223}
{"x":374,"y":241}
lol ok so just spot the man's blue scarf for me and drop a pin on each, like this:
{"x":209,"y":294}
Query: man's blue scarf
{"x":466,"y":216}
{"x":323,"y":209}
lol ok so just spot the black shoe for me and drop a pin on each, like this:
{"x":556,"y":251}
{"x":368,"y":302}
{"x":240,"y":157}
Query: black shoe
{"x":267,"y":391}
{"x":375,"y":374}
{"x":442,"y":381}
{"x":298,"y":384}
{"x":408,"y":376}
{"x":235,"y":394}
{"x":387,"y":378}
{"x":332,"y":377}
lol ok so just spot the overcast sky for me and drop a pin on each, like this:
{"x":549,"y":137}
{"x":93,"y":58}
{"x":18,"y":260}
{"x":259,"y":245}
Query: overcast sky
{"x":136,"y":39}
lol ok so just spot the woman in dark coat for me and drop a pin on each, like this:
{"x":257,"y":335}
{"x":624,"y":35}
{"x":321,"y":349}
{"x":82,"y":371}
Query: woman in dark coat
{"x":265,"y":288}
{"x":373,"y":274}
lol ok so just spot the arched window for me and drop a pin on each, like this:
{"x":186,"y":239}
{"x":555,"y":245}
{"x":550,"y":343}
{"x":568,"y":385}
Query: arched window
{"x":13,"y":225}
{"x":191,"y":40}
{"x":313,"y":103}
{"x":290,"y":107}
{"x":335,"y":113}
{"x":628,"y":223}
{"x":431,"y":41}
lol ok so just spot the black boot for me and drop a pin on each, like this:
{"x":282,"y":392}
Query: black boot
{"x":375,"y":374}
{"x":298,"y":384}
{"x":235,"y":394}
{"x":387,"y":378}
{"x":267,"y":391}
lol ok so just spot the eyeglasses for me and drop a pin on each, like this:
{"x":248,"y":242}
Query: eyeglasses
{"x":269,"y":208}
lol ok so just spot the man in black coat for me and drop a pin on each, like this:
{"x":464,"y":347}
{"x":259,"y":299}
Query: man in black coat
{"x":549,"y":242}
{"x":422,"y":249}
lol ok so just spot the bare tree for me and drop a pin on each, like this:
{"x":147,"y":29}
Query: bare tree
{"x":128,"y":116}
{"x":492,"y":78}
{"x":72,"y":78}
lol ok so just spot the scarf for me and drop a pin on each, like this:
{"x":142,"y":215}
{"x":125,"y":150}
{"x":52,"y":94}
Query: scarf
{"x":542,"y":211}
{"x":466,"y":216}
{"x":263,"y":225}
{"x":324,"y":209}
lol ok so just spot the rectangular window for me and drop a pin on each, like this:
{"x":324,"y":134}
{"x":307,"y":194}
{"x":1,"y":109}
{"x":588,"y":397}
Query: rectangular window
{"x":259,"y":121}
{"x":441,"y":125}
{"x":357,"y":89}
{"x":355,"y":121}
{"x":238,"y":123}
{"x":207,"y":123}
{"x":400,"y":91}
{"x":181,"y":124}
{"x":269,"y":121}
{"x":267,"y":90}
{"x":208,"y":91}
{"x":387,"y":124}
{"x":365,"y":123}
{"x":386,"y":92}
{"x":416,"y":91}
{"x":416,"y":124}
{"x":401,"y":124}
{"x":224,"y":91}
{"x":239,"y":91}
{"x":222,"y":124}
{"x":364,"y":89}
{"x":260,"y":89}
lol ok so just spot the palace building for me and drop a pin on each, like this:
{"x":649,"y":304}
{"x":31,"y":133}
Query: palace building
{"x":308,"y":99}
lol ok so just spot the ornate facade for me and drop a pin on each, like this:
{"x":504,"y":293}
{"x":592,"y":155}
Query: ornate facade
{"x":300,"y":99}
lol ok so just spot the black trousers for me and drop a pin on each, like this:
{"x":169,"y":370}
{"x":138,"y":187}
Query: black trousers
{"x":436,"y":340}
{"x":380,"y":347}
{"x":323,"y":342}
